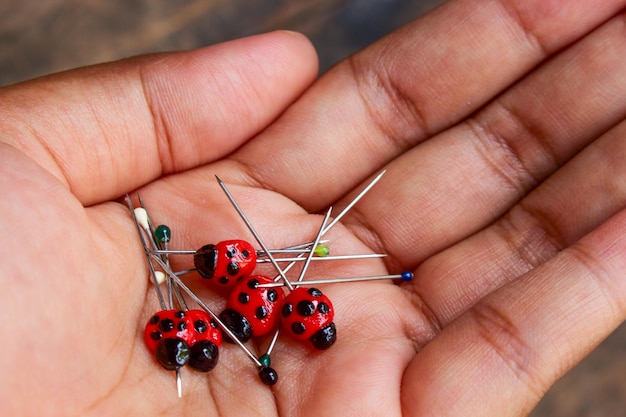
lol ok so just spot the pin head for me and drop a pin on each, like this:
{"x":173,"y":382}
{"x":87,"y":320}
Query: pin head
{"x":159,"y":277}
{"x":225,"y":262}
{"x":265,"y":359}
{"x":162,"y":234}
{"x":406,"y":276}
{"x":163,"y":325}
{"x":307,"y":315}
{"x":322,"y":250}
{"x":259,"y":307}
{"x":268,"y":375}
{"x":177,"y":337}
{"x":141,"y":215}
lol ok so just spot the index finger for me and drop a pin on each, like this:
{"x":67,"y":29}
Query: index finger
{"x":108,"y":129}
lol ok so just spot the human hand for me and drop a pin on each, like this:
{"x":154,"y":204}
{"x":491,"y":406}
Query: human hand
{"x":502,"y":191}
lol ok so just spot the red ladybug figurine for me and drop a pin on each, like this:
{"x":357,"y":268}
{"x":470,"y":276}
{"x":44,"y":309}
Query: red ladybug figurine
{"x":205,"y":339}
{"x":307,"y":315}
{"x":252,"y":311}
{"x":179,"y":337}
{"x":226,"y":262}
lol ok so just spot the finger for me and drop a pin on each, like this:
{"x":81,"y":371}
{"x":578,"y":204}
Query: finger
{"x":36,"y":211}
{"x":577,"y":199}
{"x":407,"y":87}
{"x":468,"y":176}
{"x":108,"y":129}
{"x":512,"y":345}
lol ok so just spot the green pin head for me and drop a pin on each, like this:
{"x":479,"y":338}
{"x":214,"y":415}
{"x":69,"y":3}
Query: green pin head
{"x":162,"y":233}
{"x":321,"y":250}
{"x":265,"y":360}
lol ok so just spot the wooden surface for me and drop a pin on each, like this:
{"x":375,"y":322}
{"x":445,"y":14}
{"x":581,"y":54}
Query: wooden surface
{"x":40,"y":37}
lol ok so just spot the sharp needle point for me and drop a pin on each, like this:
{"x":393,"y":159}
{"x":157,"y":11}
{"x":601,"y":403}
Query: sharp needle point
{"x":315,"y":243}
{"x":354,"y":201}
{"x":253,"y":231}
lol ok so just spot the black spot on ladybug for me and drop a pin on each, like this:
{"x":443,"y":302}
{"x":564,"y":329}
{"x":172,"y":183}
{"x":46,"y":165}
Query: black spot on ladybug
{"x":172,"y":353}
{"x":323,"y":308}
{"x":272,"y":295}
{"x":325,"y":337}
{"x":154,"y":319}
{"x":231,"y":252}
{"x":305,"y":308}
{"x":205,"y":260}
{"x":236,"y":323}
{"x":287,"y":309}
{"x":232,"y":269}
{"x":156,"y":335}
{"x":213,"y":324}
{"x":179,"y":314}
{"x":298,"y":328}
{"x":243,"y":297}
{"x":315,"y":292}
{"x":223,"y":280}
{"x":260,"y":313}
{"x":268,"y":375}
{"x":245,"y":253}
{"x":182,"y":326}
{"x":166,"y":325}
{"x":253,"y":283}
{"x":200,"y":326}
{"x":203,"y":355}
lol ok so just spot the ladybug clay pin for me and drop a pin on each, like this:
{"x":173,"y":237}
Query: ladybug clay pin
{"x":177,"y":338}
{"x":226,"y":262}
{"x":252,"y":311}
{"x":307,"y":315}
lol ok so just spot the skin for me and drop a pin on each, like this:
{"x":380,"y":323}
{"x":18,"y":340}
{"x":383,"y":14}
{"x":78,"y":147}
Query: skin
{"x":501,"y":130}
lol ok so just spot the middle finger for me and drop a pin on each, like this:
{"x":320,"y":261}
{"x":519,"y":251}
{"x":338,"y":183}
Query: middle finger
{"x":463,"y":179}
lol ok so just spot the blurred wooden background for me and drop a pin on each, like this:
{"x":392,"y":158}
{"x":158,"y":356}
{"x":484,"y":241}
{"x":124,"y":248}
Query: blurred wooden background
{"x":40,"y":37}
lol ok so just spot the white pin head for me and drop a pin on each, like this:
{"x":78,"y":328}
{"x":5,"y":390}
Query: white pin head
{"x":160,"y":277}
{"x":142,"y":218}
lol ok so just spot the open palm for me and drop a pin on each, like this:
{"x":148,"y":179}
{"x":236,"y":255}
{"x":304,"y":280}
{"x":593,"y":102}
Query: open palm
{"x":500,"y":127}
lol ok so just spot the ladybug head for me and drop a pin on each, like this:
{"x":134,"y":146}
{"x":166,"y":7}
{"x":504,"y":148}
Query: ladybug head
{"x":236,"y":323}
{"x":172,"y":353}
{"x":205,"y":260}
{"x":324,"y":337}
{"x":203,"y":355}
